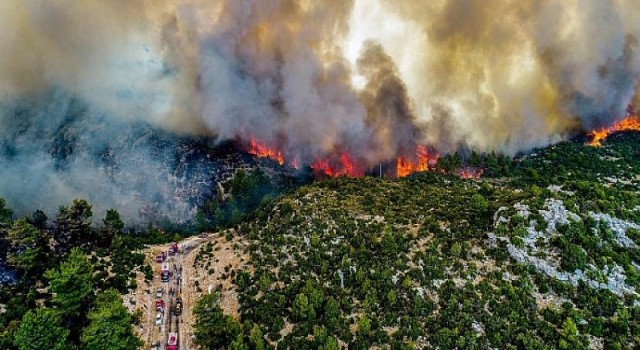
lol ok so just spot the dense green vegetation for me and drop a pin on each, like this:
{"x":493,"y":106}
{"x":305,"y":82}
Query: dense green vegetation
{"x":61,"y":269}
{"x":71,"y":269}
{"x":241,"y":196}
{"x":541,"y":253}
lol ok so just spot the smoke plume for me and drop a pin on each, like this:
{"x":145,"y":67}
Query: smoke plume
{"x":313,"y":79}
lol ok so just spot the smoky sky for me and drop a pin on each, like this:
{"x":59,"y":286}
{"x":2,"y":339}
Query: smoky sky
{"x":373,"y":78}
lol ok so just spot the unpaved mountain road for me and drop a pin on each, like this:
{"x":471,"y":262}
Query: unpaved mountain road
{"x":203,"y":264}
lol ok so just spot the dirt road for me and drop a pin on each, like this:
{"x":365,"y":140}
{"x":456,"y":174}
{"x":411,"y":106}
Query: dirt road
{"x":204,"y":264}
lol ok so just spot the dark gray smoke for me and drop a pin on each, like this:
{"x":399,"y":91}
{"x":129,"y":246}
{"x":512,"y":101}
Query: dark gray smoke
{"x":388,"y":106}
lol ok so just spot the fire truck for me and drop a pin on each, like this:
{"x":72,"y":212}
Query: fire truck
{"x":165,"y":274}
{"x":172,"y":341}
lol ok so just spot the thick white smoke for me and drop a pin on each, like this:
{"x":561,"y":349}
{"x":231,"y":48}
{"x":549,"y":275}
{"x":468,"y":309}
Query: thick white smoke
{"x":372,"y":78}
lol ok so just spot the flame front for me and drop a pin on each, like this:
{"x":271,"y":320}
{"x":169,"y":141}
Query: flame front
{"x":261,"y":150}
{"x":405,"y":166}
{"x":628,"y":124}
{"x":345,"y":166}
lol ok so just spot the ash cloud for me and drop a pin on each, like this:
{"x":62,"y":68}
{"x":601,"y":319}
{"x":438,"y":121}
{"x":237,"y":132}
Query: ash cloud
{"x":311,"y":78}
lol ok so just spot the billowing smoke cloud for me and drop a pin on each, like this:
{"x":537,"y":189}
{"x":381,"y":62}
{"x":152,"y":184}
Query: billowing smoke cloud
{"x":511,"y":75}
{"x":313,"y":79}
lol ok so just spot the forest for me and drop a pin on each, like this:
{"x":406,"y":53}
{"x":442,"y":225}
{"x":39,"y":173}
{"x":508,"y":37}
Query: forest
{"x":540,"y":252}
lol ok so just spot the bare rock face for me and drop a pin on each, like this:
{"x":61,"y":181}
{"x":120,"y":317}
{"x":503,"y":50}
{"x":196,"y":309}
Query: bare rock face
{"x":555,"y":214}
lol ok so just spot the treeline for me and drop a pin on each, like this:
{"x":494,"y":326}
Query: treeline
{"x":492,"y":164}
{"x":554,"y":164}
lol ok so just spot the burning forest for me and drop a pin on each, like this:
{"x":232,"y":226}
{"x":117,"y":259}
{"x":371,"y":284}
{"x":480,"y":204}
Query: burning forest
{"x":342,"y":87}
{"x":346,"y":165}
{"x":630,"y":123}
{"x":331,"y":174}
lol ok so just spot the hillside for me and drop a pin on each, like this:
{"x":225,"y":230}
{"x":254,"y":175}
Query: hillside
{"x":542,"y":254}
{"x":297,"y":175}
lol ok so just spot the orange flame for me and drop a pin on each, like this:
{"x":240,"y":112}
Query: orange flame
{"x":344,"y":167}
{"x":470,"y":173}
{"x":261,"y":150}
{"x":631,"y":122}
{"x":405,"y":166}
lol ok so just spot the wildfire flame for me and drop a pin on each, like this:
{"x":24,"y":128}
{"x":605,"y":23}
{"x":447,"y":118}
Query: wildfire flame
{"x":629,"y":123}
{"x":344,"y":167}
{"x":470,"y":173}
{"x":261,"y":150}
{"x":405,"y":166}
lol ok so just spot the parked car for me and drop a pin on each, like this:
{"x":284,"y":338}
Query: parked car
{"x":159,"y":319}
{"x":160,"y":305}
{"x":159,"y":293}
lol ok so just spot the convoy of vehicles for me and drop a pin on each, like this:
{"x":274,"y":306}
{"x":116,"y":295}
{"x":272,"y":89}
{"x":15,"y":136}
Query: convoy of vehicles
{"x":175,"y":305}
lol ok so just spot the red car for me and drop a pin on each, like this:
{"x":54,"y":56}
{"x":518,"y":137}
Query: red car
{"x":160,"y":305}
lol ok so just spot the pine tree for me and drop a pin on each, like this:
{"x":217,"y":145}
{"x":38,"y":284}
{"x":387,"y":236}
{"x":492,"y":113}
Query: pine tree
{"x":72,"y":283}
{"x":73,"y":226}
{"x":27,"y":246}
{"x":110,"y":325}
{"x":41,"y":329}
